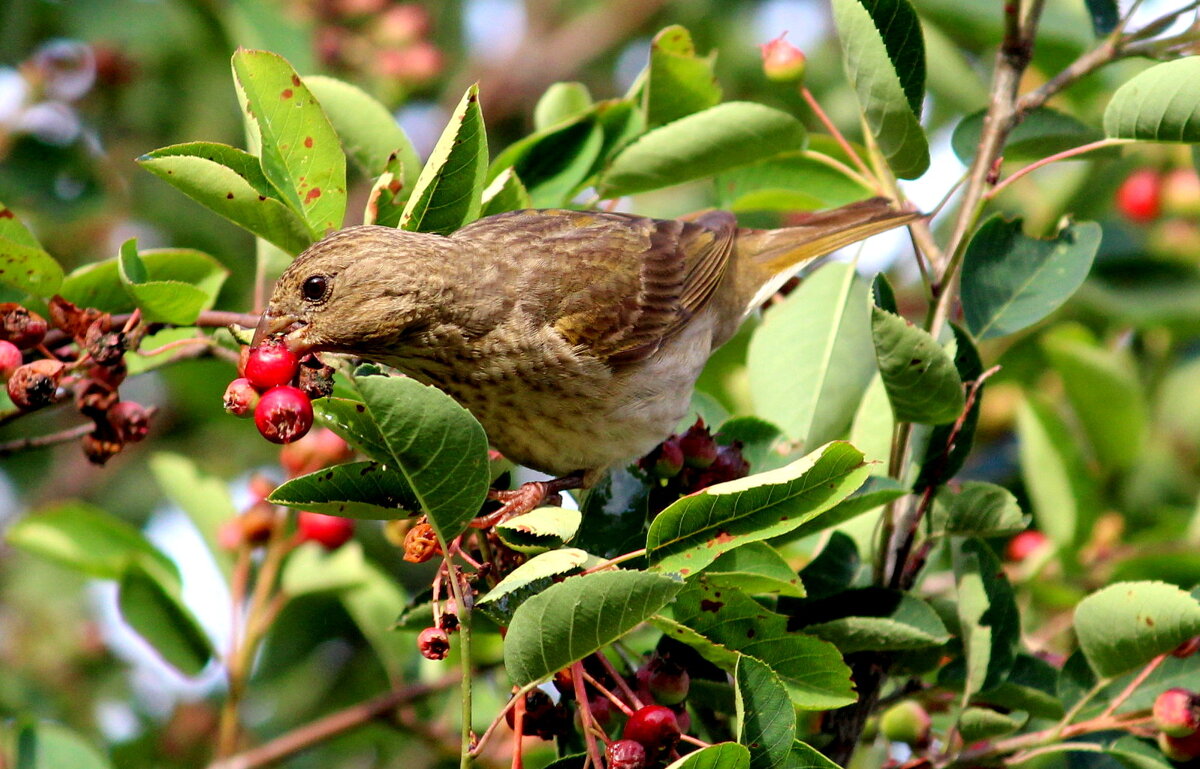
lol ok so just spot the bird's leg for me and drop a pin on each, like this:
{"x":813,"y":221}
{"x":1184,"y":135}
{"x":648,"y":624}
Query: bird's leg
{"x":526,"y":497}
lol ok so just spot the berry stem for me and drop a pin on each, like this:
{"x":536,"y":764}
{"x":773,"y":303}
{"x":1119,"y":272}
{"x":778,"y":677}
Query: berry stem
{"x":585,"y":714}
{"x":1137,"y":681}
{"x":1064,"y":155}
{"x":622,"y":684}
{"x":518,"y":697}
{"x":815,"y":106}
{"x":614,"y":699}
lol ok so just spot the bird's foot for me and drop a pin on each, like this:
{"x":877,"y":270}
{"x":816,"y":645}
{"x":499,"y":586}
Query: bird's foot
{"x":526,"y":497}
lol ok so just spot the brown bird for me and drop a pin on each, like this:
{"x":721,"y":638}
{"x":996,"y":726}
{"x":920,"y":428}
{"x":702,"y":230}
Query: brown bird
{"x":575,"y":337}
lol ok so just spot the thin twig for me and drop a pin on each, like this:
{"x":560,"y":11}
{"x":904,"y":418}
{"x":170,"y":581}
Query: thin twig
{"x":518,"y":696}
{"x":815,"y":106}
{"x":41,"y":441}
{"x":585,"y":714}
{"x":1137,"y":681}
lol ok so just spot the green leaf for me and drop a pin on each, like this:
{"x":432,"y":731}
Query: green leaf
{"x":529,"y":579}
{"x":350,"y":420}
{"x":560,"y":103}
{"x":812,"y":391}
{"x":1062,"y":494}
{"x":437,"y":445}
{"x":89,"y":540}
{"x":978,"y":509}
{"x":1011,"y":281}
{"x":911,"y":624}
{"x":47,"y":745}
{"x":874,"y":493}
{"x":950,"y":444}
{"x":987,"y":612}
{"x":758,"y":439}
{"x":723,"y":755}
{"x":203,"y":498}
{"x":448,"y":193}
{"x":790,"y":181}
{"x":1133,"y":753}
{"x":374,"y":604}
{"x":505,"y":193}
{"x":385,"y":202}
{"x":230,"y":183}
{"x":692,"y":532}
{"x":1105,"y":392}
{"x":1125,"y":625}
{"x":23,"y":261}
{"x":99,"y":284}
{"x":160,"y":617}
{"x":300,"y":152}
{"x":702,"y":144}
{"x":553,"y":164}
{"x":1161,"y":104}
{"x":976,"y":724}
{"x":369,"y":133}
{"x":679,"y":82}
{"x":580,"y":615}
{"x":161,"y":301}
{"x":1105,"y":15}
{"x":542,"y":529}
{"x":805,"y":756}
{"x":922,"y":383}
{"x":766,"y":720}
{"x":755,"y":568}
{"x":310,"y":568}
{"x":884,"y":58}
{"x":365,"y":490}
{"x":1042,"y":133}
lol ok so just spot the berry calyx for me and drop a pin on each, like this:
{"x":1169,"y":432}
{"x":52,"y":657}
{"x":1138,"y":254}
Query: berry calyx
{"x":654,"y":726}
{"x":330,"y":531}
{"x":10,"y":359}
{"x":240,"y":398}
{"x":129,"y":420}
{"x":1176,"y":712}
{"x":1024,"y":545}
{"x":433,"y":643}
{"x":782,"y":61}
{"x":625,"y":754}
{"x":33,"y":385}
{"x":271,"y":364}
{"x":906,"y":722}
{"x":1139,"y":197}
{"x":283,"y":414}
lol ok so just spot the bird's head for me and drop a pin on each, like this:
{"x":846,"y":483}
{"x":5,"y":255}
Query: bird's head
{"x":360,"y":290}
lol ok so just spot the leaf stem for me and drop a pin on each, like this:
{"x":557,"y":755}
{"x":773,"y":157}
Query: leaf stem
{"x":815,"y":106}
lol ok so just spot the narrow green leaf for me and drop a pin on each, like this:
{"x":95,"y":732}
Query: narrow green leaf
{"x":987,"y":612}
{"x":702,"y":144}
{"x":437,"y":445}
{"x":976,"y":724}
{"x":205,"y":500}
{"x":812,"y":391}
{"x":1062,"y":493}
{"x":561,"y":102}
{"x":1161,"y":104}
{"x":570,"y":620}
{"x":875,"y":492}
{"x":679,"y":83}
{"x":765,"y":717}
{"x":369,"y":133}
{"x":1011,"y":281}
{"x":1043,"y":132}
{"x":230,"y":183}
{"x":978,"y":509}
{"x":448,"y":192}
{"x":1125,"y":625}
{"x":89,"y":540}
{"x":542,"y":529}
{"x":310,"y":568}
{"x":366,"y":490}
{"x":300,"y":151}
{"x":691,"y":533}
{"x":723,"y":755}
{"x":99,"y":284}
{"x":505,"y":193}
{"x":47,"y":745}
{"x":374,"y":604}
{"x":911,"y":624}
{"x":884,"y":57}
{"x":161,"y":301}
{"x":529,"y":579}
{"x":160,"y":617}
{"x":922,"y":383}
{"x":755,"y":568}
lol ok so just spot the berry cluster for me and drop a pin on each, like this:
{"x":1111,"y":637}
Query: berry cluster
{"x":277,"y":388}
{"x":87,"y":360}
{"x":378,"y":38}
{"x":695,"y":460}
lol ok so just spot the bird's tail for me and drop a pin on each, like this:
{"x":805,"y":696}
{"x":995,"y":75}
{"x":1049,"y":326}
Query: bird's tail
{"x":769,"y":257}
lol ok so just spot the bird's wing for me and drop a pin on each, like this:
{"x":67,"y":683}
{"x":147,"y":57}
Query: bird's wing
{"x":615,"y":284}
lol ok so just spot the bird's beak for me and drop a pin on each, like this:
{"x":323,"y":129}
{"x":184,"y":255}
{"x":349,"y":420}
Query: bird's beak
{"x":270,"y":324}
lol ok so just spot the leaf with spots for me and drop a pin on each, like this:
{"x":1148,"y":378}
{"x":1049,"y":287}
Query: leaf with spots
{"x":921,"y":381}
{"x":578,"y":616}
{"x":23,"y":261}
{"x":230,"y":183}
{"x":350,"y":420}
{"x":354,"y":490}
{"x":449,"y":191}
{"x":695,"y":530}
{"x":300,"y":152}
{"x":369,"y":133}
{"x":1161,"y":104}
{"x":766,"y":719}
{"x":1125,"y":625}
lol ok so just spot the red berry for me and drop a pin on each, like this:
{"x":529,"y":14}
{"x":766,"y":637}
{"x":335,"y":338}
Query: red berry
{"x":283,"y":414}
{"x":331,"y":531}
{"x":314,"y":451}
{"x":1179,"y":748}
{"x":625,"y":754}
{"x":698,"y":447}
{"x":129,"y":420}
{"x":33,"y":385}
{"x":670,"y":459}
{"x":1139,"y":197}
{"x":240,"y":397}
{"x":433,"y":643}
{"x":667,"y":681}
{"x":782,"y":61}
{"x":18,"y":325}
{"x":655,"y":726}
{"x":1177,"y":712}
{"x":271,"y":364}
{"x":1024,"y":545}
{"x":10,"y":359}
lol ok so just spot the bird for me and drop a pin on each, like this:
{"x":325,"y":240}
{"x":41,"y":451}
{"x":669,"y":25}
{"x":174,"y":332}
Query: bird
{"x":575,"y":337}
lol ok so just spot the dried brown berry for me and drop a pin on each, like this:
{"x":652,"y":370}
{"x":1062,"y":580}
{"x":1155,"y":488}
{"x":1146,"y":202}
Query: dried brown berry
{"x":107,"y":347}
{"x":33,"y":385}
{"x":112,"y":375}
{"x":21,"y":327}
{"x":99,"y":448}
{"x":433,"y":643}
{"x":129,"y":420}
{"x":316,"y":382}
{"x":71,"y":318}
{"x":421,"y":544}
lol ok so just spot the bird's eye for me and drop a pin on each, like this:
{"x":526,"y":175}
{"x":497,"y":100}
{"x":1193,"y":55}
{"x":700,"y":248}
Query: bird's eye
{"x":315,"y":288}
